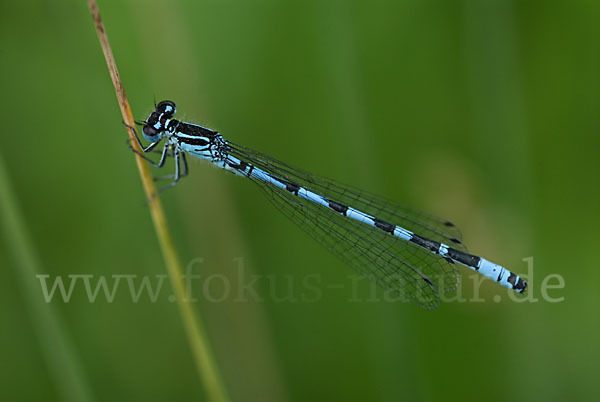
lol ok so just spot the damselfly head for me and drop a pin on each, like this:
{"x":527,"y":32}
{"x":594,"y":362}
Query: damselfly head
{"x":153,"y":127}
{"x":167,"y":108}
{"x":155,"y":123}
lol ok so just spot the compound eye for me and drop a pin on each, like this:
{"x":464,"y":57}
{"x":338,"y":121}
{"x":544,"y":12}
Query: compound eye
{"x":166,"y":107}
{"x":149,"y":131}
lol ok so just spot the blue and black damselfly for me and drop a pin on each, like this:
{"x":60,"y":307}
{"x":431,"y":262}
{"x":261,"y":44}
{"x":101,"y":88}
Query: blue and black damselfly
{"x":405,"y":251}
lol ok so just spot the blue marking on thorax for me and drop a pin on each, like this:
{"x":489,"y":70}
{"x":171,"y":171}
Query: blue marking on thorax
{"x":194,"y":150}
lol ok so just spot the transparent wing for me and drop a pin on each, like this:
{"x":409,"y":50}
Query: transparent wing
{"x":419,"y":222}
{"x":394,"y":264}
{"x":366,"y":249}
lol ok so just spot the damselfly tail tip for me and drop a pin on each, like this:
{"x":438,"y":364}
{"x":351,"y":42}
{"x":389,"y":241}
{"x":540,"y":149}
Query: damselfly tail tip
{"x":521,"y":286}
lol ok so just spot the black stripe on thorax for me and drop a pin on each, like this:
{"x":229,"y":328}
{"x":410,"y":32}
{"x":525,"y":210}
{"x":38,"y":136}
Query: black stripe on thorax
{"x":192,"y":134}
{"x":193,"y":141}
{"x":193,"y":129}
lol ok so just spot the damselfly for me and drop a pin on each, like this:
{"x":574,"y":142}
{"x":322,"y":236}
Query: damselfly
{"x":403,"y":250}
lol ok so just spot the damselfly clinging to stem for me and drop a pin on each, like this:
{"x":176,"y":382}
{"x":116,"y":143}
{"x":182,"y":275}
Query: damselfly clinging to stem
{"x":405,"y":251}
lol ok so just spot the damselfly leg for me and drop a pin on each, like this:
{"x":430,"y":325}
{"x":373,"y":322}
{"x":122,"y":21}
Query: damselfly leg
{"x":175,"y":177}
{"x":164,"y":153}
{"x":181,"y":175}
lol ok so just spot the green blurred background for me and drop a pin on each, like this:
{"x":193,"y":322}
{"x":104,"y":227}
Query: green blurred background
{"x":484,"y":112}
